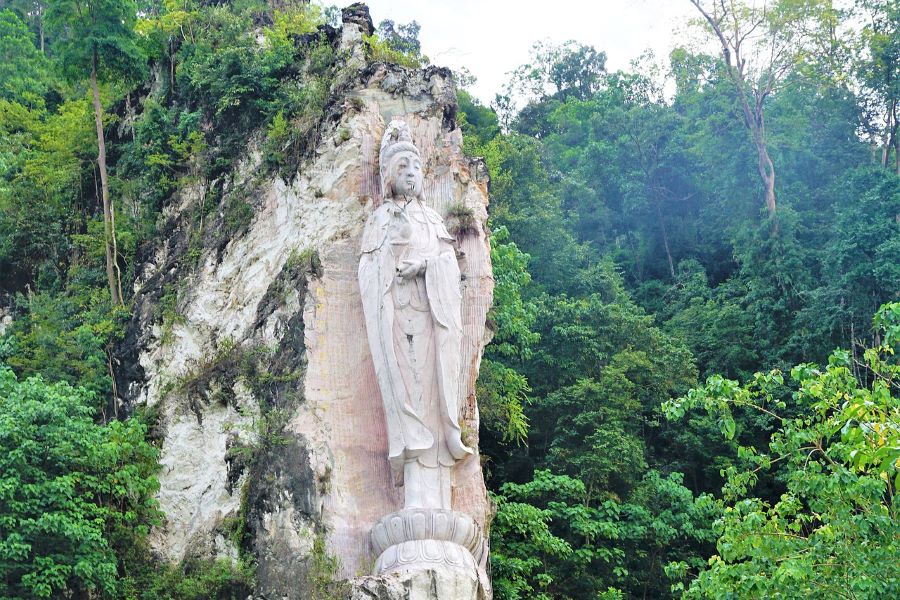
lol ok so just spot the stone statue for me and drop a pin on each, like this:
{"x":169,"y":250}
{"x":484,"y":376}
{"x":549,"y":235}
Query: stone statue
{"x":409,"y":279}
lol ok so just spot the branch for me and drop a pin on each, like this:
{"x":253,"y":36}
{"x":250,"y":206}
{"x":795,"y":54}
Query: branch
{"x":761,"y":409}
{"x":750,"y":31}
{"x":715,"y":24}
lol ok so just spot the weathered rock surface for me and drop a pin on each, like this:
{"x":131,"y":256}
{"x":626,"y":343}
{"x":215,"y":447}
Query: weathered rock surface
{"x":421,"y":585}
{"x":253,"y":350}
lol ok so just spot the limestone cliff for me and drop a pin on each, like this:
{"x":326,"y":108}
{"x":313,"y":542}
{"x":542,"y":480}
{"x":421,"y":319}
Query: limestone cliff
{"x":250,"y":346}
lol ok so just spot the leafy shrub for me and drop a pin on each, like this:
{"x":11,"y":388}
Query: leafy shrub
{"x":193,"y":579}
{"x":68,"y":489}
{"x":381,"y":50}
{"x":68,"y":337}
{"x":549,"y":542}
{"x":835,"y":530}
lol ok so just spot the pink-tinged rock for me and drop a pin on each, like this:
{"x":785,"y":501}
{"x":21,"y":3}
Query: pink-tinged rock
{"x":343,"y":404}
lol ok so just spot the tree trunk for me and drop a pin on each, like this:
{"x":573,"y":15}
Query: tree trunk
{"x":889,"y":135}
{"x":665,"y":236}
{"x":767,"y":173}
{"x":753,"y":116}
{"x":109,"y":232}
{"x":895,"y":133}
{"x":39,"y":22}
{"x":171,"y":89}
{"x":754,"y":119}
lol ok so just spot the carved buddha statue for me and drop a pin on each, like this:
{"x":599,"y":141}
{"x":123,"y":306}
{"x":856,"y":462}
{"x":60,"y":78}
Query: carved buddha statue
{"x":410,"y":284}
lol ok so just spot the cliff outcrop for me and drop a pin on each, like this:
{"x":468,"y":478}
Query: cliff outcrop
{"x":248,"y":342}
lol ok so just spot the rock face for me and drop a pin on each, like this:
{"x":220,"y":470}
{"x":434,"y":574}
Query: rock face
{"x":423,"y":585}
{"x":253,"y":353}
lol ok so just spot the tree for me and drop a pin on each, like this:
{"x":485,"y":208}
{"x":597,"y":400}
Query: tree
{"x":835,"y":530}
{"x":549,"y":541}
{"x":401,"y":37}
{"x":32,"y":12}
{"x":525,"y":201}
{"x":555,"y":73}
{"x":68,"y":489}
{"x":478,"y":122}
{"x":879,"y":68}
{"x":502,"y":390}
{"x":760,"y":44}
{"x":559,"y":70}
{"x":24,"y":72}
{"x":95,"y":40}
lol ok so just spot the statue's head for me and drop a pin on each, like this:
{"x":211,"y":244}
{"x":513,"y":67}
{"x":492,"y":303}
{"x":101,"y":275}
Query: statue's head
{"x":401,"y":165}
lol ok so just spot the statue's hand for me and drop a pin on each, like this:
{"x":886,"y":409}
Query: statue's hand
{"x":411,"y":268}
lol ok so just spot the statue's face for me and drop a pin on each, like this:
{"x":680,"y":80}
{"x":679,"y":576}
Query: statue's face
{"x":406,"y":177}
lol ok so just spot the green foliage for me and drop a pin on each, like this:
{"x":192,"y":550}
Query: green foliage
{"x":502,"y":394}
{"x":378,"y":49}
{"x":582,"y":336}
{"x":559,"y":71}
{"x":294,"y":21}
{"x":95,"y":36}
{"x":396,"y":43}
{"x":67,"y":338}
{"x":278,"y":137}
{"x":713,"y":323}
{"x":834,"y":530}
{"x":502,"y":390}
{"x":322,"y":573}
{"x":169,"y":21}
{"x":522,"y":542}
{"x":601,"y":444}
{"x":478,"y":122}
{"x":193,"y":579}
{"x":525,"y":201}
{"x":240,"y":83}
{"x":40,"y":189}
{"x":24,"y":72}
{"x":512,"y":316}
{"x":229,"y":72}
{"x":400,"y":37}
{"x":233,"y":77}
{"x":167,"y":155}
{"x":70,"y":490}
{"x":549,"y":541}
{"x":602,"y":371}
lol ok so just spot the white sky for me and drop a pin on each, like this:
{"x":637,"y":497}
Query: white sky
{"x":493,"y":37}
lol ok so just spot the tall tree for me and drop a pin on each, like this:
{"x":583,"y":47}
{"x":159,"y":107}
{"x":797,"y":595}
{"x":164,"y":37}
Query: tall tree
{"x":402,"y":37}
{"x":760,"y":42}
{"x":24,"y":71}
{"x":32,"y":12}
{"x":555,"y":73}
{"x":95,"y":40}
{"x":879,"y":68}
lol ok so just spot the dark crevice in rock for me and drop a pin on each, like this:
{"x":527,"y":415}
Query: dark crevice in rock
{"x":279,"y":480}
{"x":449,"y":117}
{"x":294,"y":276}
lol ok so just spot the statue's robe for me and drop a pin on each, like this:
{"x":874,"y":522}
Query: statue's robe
{"x":396,"y":232}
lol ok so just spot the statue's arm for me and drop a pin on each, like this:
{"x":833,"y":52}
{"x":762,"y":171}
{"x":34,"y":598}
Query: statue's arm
{"x":442,"y":282}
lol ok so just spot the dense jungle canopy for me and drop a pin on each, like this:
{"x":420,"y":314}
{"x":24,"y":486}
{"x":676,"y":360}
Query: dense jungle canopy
{"x":692,"y":388}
